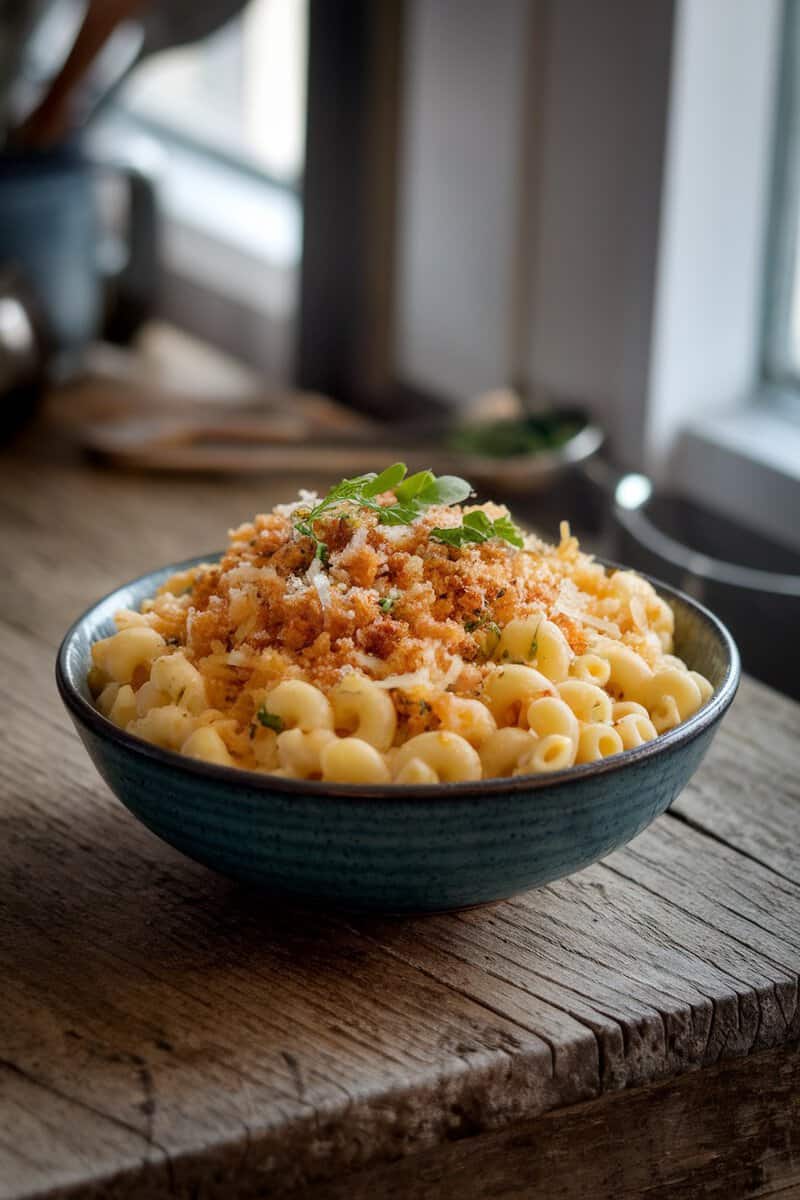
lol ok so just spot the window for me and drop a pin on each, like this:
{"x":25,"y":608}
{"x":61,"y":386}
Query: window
{"x":239,"y":94}
{"x":782,"y":324}
{"x":219,"y":125}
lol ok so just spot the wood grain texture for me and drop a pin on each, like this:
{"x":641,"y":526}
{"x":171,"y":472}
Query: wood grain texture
{"x":682,"y":1139}
{"x":760,"y":820}
{"x":164,"y":1031}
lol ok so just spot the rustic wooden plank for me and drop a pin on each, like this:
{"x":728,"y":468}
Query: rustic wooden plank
{"x":594,"y":983}
{"x":163,"y":1030}
{"x":673,"y":975}
{"x":50,"y":1142}
{"x":144,"y":988}
{"x":72,"y":535}
{"x":758,"y":815}
{"x":684,"y":1139}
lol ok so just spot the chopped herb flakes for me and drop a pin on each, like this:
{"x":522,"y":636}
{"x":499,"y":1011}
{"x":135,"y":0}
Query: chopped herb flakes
{"x":269,"y":720}
{"x":483,"y":622}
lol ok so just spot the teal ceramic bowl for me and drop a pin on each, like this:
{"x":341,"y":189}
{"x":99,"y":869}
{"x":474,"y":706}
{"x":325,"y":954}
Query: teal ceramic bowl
{"x":396,"y":848}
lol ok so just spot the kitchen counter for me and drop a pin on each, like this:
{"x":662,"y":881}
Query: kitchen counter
{"x":629,"y":1031}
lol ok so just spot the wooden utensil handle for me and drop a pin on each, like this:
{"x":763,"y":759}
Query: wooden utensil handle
{"x":50,"y":120}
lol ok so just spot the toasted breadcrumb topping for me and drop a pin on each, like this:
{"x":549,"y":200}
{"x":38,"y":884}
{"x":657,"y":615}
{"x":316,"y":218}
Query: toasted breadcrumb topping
{"x":417,"y":616}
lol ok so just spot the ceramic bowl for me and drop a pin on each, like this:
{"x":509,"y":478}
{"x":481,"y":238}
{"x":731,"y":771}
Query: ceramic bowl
{"x":396,"y":848}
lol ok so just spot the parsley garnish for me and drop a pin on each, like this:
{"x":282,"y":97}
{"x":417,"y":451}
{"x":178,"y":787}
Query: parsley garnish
{"x":413,"y":495}
{"x":478,"y":528}
{"x":387,"y":603}
{"x":269,"y":720}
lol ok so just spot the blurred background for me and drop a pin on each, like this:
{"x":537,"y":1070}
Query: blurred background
{"x":548,"y":244}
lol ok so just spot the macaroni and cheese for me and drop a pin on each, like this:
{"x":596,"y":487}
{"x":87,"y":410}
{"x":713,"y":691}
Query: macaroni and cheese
{"x":390,"y":634}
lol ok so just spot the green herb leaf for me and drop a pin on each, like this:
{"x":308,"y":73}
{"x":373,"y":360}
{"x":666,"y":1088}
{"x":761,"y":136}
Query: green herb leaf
{"x":477,"y":528}
{"x":505,"y":528}
{"x":413,"y":495}
{"x":269,"y":720}
{"x":479,"y":520}
{"x":459,"y":535}
{"x":397,"y":514}
{"x":387,"y":603}
{"x":347,"y":489}
{"x":412,"y":487}
{"x":447,"y":489}
{"x":387,"y":481}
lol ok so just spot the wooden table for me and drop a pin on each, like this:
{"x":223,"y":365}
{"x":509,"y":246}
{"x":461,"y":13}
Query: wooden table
{"x":629,"y":1031}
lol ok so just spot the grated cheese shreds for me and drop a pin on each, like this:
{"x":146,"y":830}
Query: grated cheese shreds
{"x":389,"y":602}
{"x":585,"y":618}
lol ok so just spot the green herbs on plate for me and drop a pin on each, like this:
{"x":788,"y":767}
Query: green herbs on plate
{"x":516,"y":436}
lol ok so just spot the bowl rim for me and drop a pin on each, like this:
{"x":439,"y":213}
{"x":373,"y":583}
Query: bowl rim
{"x":252,"y":781}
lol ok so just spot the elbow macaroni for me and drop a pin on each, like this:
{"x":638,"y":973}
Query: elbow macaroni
{"x":509,"y":691}
{"x":597,"y":740}
{"x":448,"y":755}
{"x":298,"y":705}
{"x":504,"y":750}
{"x":541,"y":691}
{"x":553,"y":655}
{"x":554,"y":752}
{"x":352,"y":760}
{"x":548,"y":717}
{"x":361,"y":708}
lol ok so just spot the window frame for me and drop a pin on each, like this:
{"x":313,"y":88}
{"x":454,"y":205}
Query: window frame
{"x":175,"y":139}
{"x":781,"y":379}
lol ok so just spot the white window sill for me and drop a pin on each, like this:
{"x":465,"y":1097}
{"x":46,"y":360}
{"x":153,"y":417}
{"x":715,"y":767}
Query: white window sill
{"x":745,"y":464}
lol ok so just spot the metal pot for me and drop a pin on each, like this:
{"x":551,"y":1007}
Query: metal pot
{"x":749,"y":581}
{"x":23,"y":354}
